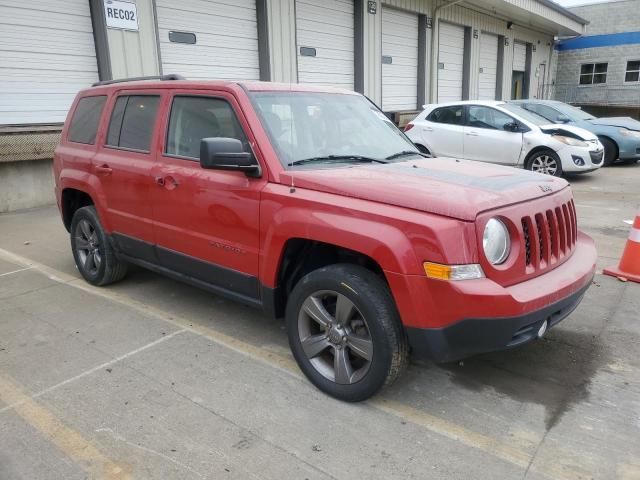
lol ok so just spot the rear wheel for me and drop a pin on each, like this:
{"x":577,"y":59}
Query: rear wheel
{"x":610,"y":151}
{"x":345,"y":332}
{"x":545,"y":161}
{"x":94,"y":256}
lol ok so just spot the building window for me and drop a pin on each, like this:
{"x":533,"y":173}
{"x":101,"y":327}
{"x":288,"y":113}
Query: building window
{"x":633,"y":71}
{"x":593,"y":73}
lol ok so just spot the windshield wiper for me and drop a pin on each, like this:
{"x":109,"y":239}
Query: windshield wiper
{"x":338,"y":158}
{"x":405,"y":153}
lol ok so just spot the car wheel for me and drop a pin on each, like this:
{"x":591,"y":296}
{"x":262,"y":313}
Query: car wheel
{"x":545,"y":161}
{"x":610,"y":151}
{"x":94,"y":255}
{"x":345,"y":331}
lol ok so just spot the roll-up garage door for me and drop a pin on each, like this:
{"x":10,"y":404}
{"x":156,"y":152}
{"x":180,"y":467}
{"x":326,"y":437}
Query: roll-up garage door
{"x":225,"y":33}
{"x":488,"y":66}
{"x":324,"y":32}
{"x":399,"y":60}
{"x":519,"y":57}
{"x":450,"y":62}
{"x":47,"y":54}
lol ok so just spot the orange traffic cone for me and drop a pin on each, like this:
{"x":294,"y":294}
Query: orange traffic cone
{"x":629,"y":268}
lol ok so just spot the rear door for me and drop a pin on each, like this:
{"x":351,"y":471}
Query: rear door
{"x":124,"y":167}
{"x":485,"y":138}
{"x":443,"y":131}
{"x":206,"y":221}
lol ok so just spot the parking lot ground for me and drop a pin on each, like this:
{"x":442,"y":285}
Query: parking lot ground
{"x":153,"y":379}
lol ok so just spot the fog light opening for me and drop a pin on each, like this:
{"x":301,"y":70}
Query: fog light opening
{"x":579,"y":161}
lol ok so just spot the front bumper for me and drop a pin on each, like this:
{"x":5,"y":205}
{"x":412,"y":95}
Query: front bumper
{"x":480,"y":335}
{"x":581,"y":159}
{"x":446,"y":321}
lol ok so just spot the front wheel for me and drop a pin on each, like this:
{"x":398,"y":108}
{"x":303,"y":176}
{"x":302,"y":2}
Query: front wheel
{"x":610,"y":151}
{"x":545,"y":161}
{"x":345,"y":332}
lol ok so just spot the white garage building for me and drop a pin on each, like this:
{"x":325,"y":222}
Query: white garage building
{"x":400,"y":53}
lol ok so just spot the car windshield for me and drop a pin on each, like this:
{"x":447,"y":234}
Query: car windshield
{"x":574,"y":112}
{"x":330,"y":128}
{"x":525,"y":114}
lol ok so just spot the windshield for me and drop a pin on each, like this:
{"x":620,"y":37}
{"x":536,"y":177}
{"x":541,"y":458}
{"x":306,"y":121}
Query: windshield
{"x":305,"y":125}
{"x":574,"y":112}
{"x":526,"y":114}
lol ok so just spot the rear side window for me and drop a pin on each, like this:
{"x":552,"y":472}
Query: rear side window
{"x":195,"y":118}
{"x":132,"y":122}
{"x":84,"y":124}
{"x":451,"y":115}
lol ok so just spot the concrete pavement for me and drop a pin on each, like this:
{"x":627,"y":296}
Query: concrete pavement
{"x":150,"y":378}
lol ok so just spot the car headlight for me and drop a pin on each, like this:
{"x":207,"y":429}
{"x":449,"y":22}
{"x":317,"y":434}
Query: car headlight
{"x":496,"y":241}
{"x":629,"y":133}
{"x":574,"y":142}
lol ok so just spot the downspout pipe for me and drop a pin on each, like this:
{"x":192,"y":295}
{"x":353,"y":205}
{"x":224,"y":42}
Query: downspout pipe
{"x":435,"y":47}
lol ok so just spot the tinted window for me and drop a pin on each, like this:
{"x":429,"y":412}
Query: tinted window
{"x":633,"y":71}
{"x":84,"y":124}
{"x":132,"y":122}
{"x":485,"y":117}
{"x":195,"y":118}
{"x":593,"y":73}
{"x":451,"y":115}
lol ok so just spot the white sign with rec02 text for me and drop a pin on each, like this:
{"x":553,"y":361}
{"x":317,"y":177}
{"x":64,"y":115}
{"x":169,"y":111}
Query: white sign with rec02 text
{"x":122,"y":15}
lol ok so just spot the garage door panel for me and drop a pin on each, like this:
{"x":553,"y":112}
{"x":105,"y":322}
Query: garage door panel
{"x":400,"y":43}
{"x":328,"y":28}
{"x":226,"y":39}
{"x":519,"y":56}
{"x":487,"y":77}
{"x":451,"y":55}
{"x":47,"y":54}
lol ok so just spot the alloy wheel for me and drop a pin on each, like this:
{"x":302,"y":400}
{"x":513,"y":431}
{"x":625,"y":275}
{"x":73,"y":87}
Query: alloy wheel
{"x":544,"y":164}
{"x":335,"y":337}
{"x":88,"y":247}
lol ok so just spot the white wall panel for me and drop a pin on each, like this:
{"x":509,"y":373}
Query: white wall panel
{"x":400,"y":45}
{"x":47,"y":54}
{"x":328,"y":28}
{"x":450,"y":62}
{"x":227,"y":39}
{"x":488,"y":69}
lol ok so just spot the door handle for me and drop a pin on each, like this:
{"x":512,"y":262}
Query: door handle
{"x":167,"y":182}
{"x":103,"y":169}
{"x":427,"y":129}
{"x":472,"y":134}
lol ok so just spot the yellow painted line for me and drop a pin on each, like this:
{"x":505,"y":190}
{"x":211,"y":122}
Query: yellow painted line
{"x":68,"y":441}
{"x":443,"y":427}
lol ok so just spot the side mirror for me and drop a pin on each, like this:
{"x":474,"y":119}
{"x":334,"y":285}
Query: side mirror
{"x":563,"y":119}
{"x":220,"y":153}
{"x":512,"y":127}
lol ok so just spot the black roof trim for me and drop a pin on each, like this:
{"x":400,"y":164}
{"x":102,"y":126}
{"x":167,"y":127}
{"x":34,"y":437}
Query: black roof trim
{"x":171,"y":76}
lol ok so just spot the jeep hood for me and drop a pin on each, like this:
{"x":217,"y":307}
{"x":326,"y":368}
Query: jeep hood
{"x":444,"y":186}
{"x":568,"y":131}
{"x":623,"y":122}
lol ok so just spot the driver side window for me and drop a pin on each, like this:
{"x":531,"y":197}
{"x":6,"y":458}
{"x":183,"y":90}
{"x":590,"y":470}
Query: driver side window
{"x":195,"y":118}
{"x":485,"y":117}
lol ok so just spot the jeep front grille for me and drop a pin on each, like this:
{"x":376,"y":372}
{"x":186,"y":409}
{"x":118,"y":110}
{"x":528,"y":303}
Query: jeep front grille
{"x":550,"y":235}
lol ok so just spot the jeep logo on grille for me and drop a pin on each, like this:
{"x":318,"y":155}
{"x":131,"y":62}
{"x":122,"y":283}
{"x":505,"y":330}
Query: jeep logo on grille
{"x":545,"y":188}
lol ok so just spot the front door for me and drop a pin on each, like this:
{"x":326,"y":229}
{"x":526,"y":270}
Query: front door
{"x":207,"y":221}
{"x":487,"y":140}
{"x":124,"y":168}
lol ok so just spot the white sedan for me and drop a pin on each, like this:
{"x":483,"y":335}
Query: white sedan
{"x":504,"y":133}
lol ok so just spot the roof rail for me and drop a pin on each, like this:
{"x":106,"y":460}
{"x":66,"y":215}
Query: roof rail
{"x":171,"y":76}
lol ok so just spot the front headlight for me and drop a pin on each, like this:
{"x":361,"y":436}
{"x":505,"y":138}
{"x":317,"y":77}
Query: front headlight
{"x":629,"y":133}
{"x":496,"y":241}
{"x":574,"y":142}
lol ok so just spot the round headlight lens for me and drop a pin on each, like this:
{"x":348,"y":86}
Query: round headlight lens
{"x":496,"y":242}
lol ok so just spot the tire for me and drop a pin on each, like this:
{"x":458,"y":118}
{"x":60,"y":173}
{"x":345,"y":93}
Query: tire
{"x":545,"y":161}
{"x":350,"y":361}
{"x":610,"y":151}
{"x":94,"y":256}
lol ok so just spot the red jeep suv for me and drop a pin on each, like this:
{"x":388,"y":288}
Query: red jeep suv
{"x":310,"y":204}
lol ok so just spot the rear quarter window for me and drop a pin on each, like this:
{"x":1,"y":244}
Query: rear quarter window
{"x":86,"y":118}
{"x":132,"y":122}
